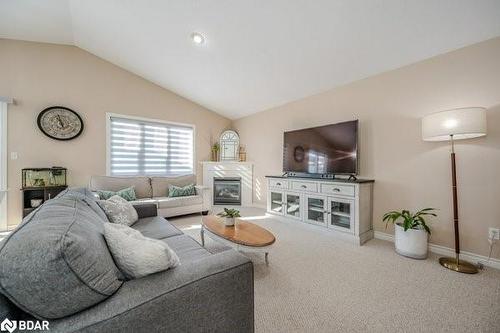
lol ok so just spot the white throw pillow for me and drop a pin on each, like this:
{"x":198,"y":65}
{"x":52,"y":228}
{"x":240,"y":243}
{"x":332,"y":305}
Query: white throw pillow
{"x":119,"y":210}
{"x":135,"y":255}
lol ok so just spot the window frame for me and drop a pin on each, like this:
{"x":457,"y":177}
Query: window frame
{"x":4,"y":105}
{"x":110,"y":115}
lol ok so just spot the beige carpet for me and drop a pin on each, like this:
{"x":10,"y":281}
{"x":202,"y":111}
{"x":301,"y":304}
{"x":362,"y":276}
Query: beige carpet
{"x":318,"y":283}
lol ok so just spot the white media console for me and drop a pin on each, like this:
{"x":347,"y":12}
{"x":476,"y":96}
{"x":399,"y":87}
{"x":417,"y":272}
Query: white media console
{"x":339,"y":205}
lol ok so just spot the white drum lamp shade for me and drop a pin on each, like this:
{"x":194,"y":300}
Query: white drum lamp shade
{"x":465,"y":123}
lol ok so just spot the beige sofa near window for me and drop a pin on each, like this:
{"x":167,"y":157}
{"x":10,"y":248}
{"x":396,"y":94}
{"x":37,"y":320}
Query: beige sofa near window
{"x":155,"y":190}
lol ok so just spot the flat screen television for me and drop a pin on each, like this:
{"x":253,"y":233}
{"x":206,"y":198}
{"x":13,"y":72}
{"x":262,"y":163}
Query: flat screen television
{"x":329,"y":149}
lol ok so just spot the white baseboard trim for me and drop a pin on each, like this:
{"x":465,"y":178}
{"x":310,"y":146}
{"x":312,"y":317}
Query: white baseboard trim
{"x":446,"y":251}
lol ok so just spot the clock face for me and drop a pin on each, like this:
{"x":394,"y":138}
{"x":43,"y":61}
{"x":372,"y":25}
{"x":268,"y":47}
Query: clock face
{"x":60,"y":123}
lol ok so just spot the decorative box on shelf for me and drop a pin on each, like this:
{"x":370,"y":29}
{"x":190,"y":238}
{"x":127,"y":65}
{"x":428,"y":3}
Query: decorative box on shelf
{"x":40,"y":185}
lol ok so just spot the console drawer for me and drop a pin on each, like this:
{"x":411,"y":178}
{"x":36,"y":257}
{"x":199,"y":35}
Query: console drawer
{"x":347,"y":190}
{"x":278,"y":183}
{"x":304,"y":186}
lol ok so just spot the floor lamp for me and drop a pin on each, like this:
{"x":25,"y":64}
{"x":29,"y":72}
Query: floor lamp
{"x":451,"y":125}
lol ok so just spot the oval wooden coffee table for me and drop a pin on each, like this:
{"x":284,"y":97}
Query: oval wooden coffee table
{"x":243,"y":235}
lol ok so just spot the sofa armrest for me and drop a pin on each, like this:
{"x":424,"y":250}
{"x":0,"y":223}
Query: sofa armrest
{"x":146,"y":209}
{"x":206,"y":194}
{"x":213,"y":294}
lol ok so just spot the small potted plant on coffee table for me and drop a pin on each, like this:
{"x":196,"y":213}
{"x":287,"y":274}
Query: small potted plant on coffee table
{"x":412,"y":233}
{"x":229,"y":214}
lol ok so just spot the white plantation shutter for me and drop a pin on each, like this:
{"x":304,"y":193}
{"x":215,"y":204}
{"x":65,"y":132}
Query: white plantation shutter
{"x":140,"y":147}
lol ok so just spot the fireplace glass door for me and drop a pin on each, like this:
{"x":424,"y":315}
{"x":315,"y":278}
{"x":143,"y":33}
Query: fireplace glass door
{"x":227,"y":191}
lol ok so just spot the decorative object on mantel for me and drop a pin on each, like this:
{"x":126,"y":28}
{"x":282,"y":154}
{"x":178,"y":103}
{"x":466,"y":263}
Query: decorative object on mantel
{"x":243,"y":154}
{"x":60,"y":123}
{"x":411,"y":235}
{"x":451,"y":125}
{"x":41,"y":184}
{"x":229,"y":145}
{"x":215,"y":152}
{"x":230,"y":214}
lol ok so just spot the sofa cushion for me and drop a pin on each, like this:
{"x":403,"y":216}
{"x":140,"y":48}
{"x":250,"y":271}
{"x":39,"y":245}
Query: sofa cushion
{"x":156,"y":227}
{"x":184,"y":191}
{"x":152,"y":255}
{"x":160,"y":184}
{"x":119,"y":210}
{"x":166,"y":202}
{"x":57,"y":263}
{"x":142,"y":185}
{"x":186,"y":248}
{"x":126,"y":193}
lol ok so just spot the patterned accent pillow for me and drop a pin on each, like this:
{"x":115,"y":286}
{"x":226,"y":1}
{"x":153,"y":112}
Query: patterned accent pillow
{"x":119,"y":210}
{"x":127,"y":194}
{"x":152,"y":255}
{"x":176,"y":191}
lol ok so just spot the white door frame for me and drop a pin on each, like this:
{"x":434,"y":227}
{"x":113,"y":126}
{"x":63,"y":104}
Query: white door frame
{"x":3,"y":162}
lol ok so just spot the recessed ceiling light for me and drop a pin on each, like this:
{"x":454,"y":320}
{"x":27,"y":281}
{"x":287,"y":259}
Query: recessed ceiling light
{"x":197,"y":38}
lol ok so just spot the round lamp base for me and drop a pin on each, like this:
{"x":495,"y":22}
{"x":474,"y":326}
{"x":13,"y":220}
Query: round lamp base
{"x":461,"y":266}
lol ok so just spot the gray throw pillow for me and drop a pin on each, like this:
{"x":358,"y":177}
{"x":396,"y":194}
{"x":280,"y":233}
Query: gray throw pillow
{"x":136,"y":255}
{"x":119,"y":210}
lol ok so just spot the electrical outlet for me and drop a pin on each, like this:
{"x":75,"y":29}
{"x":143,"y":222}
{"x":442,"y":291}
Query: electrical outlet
{"x":494,"y":233}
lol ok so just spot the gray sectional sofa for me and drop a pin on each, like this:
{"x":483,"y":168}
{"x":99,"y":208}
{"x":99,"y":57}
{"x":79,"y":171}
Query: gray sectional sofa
{"x":155,"y":190}
{"x":56,"y":266}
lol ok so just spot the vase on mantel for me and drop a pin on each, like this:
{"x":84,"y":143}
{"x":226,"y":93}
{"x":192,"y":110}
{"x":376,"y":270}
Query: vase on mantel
{"x":215,"y":152}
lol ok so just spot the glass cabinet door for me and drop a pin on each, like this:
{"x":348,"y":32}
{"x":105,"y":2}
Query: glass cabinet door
{"x":316,"y":210}
{"x":276,"y":202}
{"x":293,"y":205}
{"x":341,"y":214}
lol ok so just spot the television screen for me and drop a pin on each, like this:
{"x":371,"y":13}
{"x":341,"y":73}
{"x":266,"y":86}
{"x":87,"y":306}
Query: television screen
{"x":330,"y":149}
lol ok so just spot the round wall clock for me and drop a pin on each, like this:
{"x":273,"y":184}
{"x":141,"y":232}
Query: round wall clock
{"x":60,"y":123}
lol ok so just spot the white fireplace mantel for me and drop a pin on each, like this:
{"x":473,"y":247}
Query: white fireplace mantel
{"x":244,"y":170}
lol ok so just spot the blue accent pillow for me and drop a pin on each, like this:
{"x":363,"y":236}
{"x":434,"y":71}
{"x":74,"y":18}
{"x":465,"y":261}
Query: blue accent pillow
{"x":176,"y":191}
{"x":127,"y":194}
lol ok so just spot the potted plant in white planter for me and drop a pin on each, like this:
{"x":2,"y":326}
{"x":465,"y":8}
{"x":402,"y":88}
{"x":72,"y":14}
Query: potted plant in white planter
{"x":230,"y":215}
{"x":412,"y":233}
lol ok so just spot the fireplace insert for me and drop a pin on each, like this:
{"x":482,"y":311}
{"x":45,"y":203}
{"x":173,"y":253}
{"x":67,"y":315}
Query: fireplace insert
{"x":227,"y":191}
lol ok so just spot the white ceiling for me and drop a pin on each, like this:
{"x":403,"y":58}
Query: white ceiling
{"x":259,"y":54}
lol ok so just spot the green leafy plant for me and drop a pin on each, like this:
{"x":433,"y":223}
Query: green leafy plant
{"x":229,"y":213}
{"x":410,"y":220}
{"x":215,"y":147}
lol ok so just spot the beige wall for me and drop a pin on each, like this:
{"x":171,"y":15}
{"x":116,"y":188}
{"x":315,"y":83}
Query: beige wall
{"x":409,"y":172}
{"x":41,"y":75}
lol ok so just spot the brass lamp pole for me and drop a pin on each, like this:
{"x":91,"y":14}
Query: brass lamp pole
{"x":466,"y":123}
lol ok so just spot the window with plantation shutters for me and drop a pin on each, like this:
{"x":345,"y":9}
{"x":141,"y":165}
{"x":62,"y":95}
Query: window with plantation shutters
{"x":148,"y":148}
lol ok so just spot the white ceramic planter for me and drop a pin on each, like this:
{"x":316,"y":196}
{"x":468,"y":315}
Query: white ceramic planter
{"x":412,"y":243}
{"x":229,"y":221}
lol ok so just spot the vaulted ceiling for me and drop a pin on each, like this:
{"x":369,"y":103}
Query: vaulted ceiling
{"x":258,"y":53}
